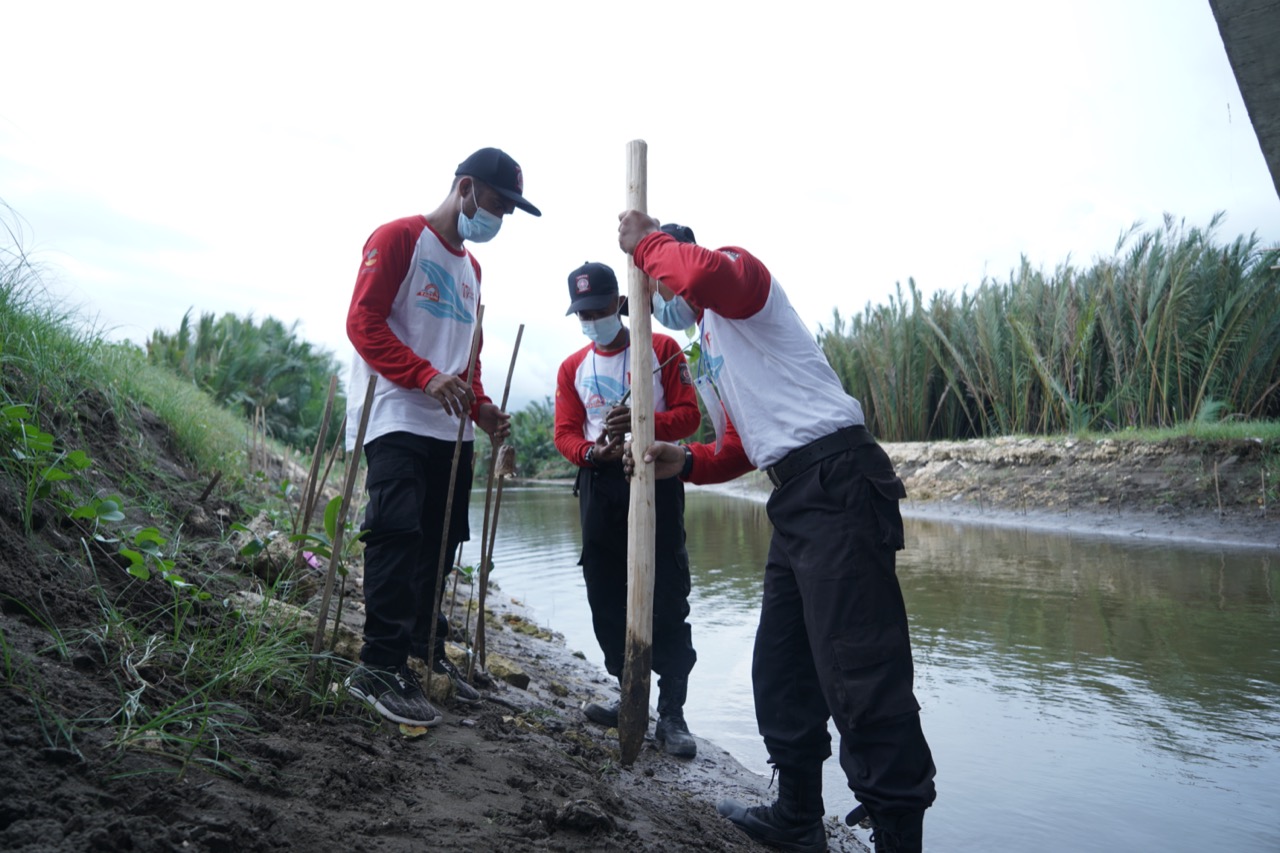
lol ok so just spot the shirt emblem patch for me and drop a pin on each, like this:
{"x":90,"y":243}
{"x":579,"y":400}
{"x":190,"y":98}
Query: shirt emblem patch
{"x":441,"y":296}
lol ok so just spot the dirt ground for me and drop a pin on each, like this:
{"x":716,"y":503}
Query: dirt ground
{"x":1223,"y":491}
{"x":523,"y":771}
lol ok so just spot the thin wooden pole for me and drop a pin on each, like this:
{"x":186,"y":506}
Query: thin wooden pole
{"x":443,"y":559}
{"x":633,"y":710}
{"x":335,"y":553}
{"x":486,"y":540}
{"x":309,"y":491}
{"x":481,"y":650}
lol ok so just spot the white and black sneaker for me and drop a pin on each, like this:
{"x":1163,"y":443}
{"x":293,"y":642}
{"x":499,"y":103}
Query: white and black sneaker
{"x":462,"y":691}
{"x":394,"y":692}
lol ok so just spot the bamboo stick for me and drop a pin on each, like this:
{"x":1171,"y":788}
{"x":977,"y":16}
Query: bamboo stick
{"x":633,"y":710}
{"x":335,"y":551}
{"x":442,"y":560}
{"x":486,"y":538}
{"x":309,"y":491}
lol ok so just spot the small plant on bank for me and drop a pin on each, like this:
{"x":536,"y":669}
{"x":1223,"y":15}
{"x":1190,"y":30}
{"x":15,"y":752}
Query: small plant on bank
{"x":321,"y":543}
{"x":33,"y":458}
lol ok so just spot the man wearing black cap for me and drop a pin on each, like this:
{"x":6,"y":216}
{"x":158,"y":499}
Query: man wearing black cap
{"x":591,"y":419}
{"x":411,"y":320}
{"x":832,"y":640}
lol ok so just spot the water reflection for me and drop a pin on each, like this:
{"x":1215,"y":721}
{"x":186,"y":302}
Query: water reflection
{"x":1079,"y":693}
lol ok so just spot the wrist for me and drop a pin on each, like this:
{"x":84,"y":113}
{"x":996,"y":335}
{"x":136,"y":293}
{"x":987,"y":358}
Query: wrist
{"x":590,"y":456}
{"x":687,"y":468}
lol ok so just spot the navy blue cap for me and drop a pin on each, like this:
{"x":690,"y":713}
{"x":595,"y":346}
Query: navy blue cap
{"x":496,"y":168}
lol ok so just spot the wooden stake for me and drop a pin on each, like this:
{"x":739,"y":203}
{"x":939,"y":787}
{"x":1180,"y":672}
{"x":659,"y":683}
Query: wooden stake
{"x":443,"y":559}
{"x":335,"y":553}
{"x":633,"y":710}
{"x":486,"y":538}
{"x":1217,"y":489}
{"x":309,"y":491}
{"x":480,"y":650}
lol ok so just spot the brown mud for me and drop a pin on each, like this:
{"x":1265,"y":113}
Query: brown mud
{"x":522,"y":771}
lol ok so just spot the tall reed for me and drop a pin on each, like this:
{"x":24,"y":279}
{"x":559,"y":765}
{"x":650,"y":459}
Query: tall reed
{"x":1172,"y":328}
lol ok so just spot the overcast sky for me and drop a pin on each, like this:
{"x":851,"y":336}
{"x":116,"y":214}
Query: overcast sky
{"x":235,"y":156}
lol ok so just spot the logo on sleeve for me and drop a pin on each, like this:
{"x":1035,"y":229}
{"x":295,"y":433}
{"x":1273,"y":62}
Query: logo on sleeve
{"x":371,"y":258}
{"x":686,"y":378}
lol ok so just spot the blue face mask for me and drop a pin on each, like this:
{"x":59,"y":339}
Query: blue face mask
{"x":675,"y":314}
{"x":480,"y":228}
{"x":602,"y":331}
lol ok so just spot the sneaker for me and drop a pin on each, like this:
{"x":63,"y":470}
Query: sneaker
{"x":462,"y":691}
{"x":394,"y":692}
{"x":605,"y":715}
{"x":774,"y":828}
{"x":672,"y":734}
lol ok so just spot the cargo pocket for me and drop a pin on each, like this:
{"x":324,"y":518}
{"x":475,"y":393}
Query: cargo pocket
{"x":885,"y":493}
{"x":873,"y":673}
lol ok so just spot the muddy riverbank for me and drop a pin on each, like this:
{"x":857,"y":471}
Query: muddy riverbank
{"x":1219,"y":492}
{"x":522,"y":771}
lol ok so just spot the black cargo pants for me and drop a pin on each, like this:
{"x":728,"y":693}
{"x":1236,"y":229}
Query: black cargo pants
{"x":604,"y":501}
{"x":408,"y":486}
{"x":832,"y":639}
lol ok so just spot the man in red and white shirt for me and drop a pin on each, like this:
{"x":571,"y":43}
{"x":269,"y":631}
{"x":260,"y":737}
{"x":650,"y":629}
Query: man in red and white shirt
{"x":412,"y":318}
{"x":591,"y":419}
{"x":832,"y":640}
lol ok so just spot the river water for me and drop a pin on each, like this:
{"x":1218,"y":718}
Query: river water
{"x":1078,"y":693}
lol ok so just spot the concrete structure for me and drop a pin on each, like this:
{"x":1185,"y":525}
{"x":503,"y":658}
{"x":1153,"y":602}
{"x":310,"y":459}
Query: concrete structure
{"x":1251,"y":34}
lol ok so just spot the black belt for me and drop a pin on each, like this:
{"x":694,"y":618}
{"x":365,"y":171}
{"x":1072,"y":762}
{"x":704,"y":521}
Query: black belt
{"x":846,"y":438}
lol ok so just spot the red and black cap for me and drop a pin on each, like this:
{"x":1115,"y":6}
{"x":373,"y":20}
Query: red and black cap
{"x":496,"y":168}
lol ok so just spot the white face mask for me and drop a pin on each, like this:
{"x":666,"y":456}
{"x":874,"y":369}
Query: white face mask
{"x":480,"y":228}
{"x":602,"y":331}
{"x":674,"y":314}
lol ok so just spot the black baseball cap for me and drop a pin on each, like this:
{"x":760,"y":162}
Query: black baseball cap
{"x":592,"y":286}
{"x":682,"y":233}
{"x":496,"y":168}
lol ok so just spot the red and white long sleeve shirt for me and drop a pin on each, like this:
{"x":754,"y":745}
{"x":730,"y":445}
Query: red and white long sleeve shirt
{"x":590,"y":383}
{"x":412,"y":316}
{"x":777,"y":387}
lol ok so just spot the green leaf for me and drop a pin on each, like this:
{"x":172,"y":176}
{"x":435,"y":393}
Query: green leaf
{"x":137,"y":564}
{"x":78,"y":460}
{"x":331,"y":517}
{"x":149,"y":535}
{"x":54,"y":475}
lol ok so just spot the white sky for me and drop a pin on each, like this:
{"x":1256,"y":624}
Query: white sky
{"x":235,"y":156}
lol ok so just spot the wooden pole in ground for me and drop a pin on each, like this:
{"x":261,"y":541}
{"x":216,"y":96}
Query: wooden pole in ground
{"x":309,"y":490}
{"x":486,"y":539}
{"x":335,"y":553}
{"x":633,"y":711}
{"x":443,"y":560}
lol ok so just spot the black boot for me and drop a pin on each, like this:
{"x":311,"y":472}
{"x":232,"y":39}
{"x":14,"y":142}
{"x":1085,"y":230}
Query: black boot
{"x":897,"y":832}
{"x":603,"y":714}
{"x":671,"y":733}
{"x":794,"y":821}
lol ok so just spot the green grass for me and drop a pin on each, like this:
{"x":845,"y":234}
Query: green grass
{"x":188,"y":665}
{"x":1267,"y":432}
